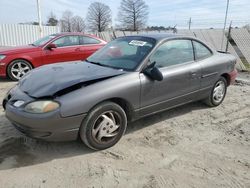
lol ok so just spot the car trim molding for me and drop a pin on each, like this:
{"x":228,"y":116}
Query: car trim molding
{"x":151,"y":105}
{"x":208,"y":75}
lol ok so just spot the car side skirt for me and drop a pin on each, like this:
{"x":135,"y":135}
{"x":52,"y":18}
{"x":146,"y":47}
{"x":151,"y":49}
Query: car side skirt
{"x":172,"y":103}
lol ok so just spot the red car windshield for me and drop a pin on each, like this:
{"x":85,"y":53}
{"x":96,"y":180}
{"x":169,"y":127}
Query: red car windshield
{"x":123,"y":53}
{"x":43,"y":40}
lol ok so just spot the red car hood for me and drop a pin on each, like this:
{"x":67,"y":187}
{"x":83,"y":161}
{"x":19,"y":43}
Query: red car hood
{"x":18,"y":49}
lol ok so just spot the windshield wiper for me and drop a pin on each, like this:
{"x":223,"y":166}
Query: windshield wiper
{"x":96,"y":63}
{"x":32,"y":44}
{"x":100,"y":64}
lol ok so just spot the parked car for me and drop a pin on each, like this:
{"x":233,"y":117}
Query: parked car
{"x":130,"y":78}
{"x":15,"y":62}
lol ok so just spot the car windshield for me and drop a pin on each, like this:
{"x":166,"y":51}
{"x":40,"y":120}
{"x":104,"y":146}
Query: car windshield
{"x":43,"y":40}
{"x":123,"y":53}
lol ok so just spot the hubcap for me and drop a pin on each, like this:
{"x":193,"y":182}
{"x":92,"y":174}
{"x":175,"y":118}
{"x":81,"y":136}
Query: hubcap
{"x":219,"y":91}
{"x":106,"y":127}
{"x":19,"y":69}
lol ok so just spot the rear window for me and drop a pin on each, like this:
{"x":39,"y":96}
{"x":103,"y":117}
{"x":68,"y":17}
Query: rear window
{"x":201,"y":51}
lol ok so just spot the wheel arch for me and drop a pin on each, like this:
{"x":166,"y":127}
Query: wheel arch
{"x":227,"y":77}
{"x":125,"y":105}
{"x":24,"y":59}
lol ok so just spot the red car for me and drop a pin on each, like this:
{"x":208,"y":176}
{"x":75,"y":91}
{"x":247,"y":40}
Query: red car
{"x":15,"y":62}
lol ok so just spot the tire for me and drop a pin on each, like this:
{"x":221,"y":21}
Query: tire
{"x":212,"y":100}
{"x":18,"y":68}
{"x":97,"y":127}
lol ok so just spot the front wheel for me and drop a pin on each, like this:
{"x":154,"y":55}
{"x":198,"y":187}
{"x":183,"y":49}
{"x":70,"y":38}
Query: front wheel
{"x":18,"y":68}
{"x":104,"y":126}
{"x":218,"y":93}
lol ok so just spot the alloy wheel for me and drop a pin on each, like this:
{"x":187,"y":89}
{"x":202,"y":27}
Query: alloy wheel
{"x":19,"y":69}
{"x":219,"y":91}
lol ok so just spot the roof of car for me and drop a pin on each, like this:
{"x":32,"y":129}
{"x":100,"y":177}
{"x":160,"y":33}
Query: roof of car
{"x":72,"y":33}
{"x":77,"y":33}
{"x":160,"y":36}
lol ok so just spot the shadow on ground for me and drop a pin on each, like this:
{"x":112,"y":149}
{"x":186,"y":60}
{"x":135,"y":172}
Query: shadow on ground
{"x":5,"y":80}
{"x":18,"y":151}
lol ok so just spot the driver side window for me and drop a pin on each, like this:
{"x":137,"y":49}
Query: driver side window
{"x":173,"y":52}
{"x":67,"y":41}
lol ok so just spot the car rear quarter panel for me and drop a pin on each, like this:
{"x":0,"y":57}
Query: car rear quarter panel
{"x":126,"y":87}
{"x":214,"y":67}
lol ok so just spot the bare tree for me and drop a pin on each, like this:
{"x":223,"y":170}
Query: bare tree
{"x":99,"y":16}
{"x":78,"y":24}
{"x":52,"y":21}
{"x":133,"y":14}
{"x":66,"y":25}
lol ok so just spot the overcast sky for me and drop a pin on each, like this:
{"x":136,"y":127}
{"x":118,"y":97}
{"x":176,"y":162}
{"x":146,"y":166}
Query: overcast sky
{"x":204,"y":13}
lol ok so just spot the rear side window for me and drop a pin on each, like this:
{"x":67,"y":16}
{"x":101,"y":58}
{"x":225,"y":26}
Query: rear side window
{"x":88,"y":40}
{"x":201,"y":51}
{"x":173,"y":52}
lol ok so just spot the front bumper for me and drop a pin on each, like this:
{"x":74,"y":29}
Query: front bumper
{"x":50,"y":126}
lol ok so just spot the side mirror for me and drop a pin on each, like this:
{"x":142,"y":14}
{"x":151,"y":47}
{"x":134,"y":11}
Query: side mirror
{"x":51,"y":46}
{"x":154,"y":73}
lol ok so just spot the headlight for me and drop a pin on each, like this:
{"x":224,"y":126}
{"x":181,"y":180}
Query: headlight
{"x":2,"y":57}
{"x":39,"y":107}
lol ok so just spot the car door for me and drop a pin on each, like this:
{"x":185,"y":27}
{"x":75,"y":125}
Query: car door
{"x":67,"y":49}
{"x":88,"y":46}
{"x":181,"y":77}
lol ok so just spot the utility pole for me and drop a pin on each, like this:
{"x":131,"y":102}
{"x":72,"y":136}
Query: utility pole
{"x":189,"y":23}
{"x":225,"y":23}
{"x":228,"y":35}
{"x":39,"y":18}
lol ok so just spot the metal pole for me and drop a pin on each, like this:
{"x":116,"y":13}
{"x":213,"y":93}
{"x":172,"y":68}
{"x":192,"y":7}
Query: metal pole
{"x":225,"y":23}
{"x":39,"y":18}
{"x":189,"y":23}
{"x":229,"y":36}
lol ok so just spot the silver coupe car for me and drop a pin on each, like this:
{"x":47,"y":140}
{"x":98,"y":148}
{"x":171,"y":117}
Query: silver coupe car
{"x":129,"y":78}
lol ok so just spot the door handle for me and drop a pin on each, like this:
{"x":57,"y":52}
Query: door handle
{"x":193,"y":74}
{"x":77,"y":49}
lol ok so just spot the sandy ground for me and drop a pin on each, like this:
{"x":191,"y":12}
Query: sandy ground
{"x":190,"y":146}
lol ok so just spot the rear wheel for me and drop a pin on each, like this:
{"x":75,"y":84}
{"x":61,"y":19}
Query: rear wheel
{"x":104,"y":126}
{"x":218,"y":93}
{"x":18,"y":68}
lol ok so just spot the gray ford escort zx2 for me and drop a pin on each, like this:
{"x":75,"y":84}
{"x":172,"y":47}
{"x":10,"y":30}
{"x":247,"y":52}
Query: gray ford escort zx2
{"x":129,"y":78}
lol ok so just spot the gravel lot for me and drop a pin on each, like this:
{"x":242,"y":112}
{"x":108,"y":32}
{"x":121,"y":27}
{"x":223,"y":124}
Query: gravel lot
{"x":190,"y":146}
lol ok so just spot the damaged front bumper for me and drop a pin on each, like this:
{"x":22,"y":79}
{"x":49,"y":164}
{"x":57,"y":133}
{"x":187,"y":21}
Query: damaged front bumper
{"x":49,"y":126}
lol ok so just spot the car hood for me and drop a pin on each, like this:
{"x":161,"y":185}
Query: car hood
{"x":18,"y":49}
{"x":48,"y":80}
